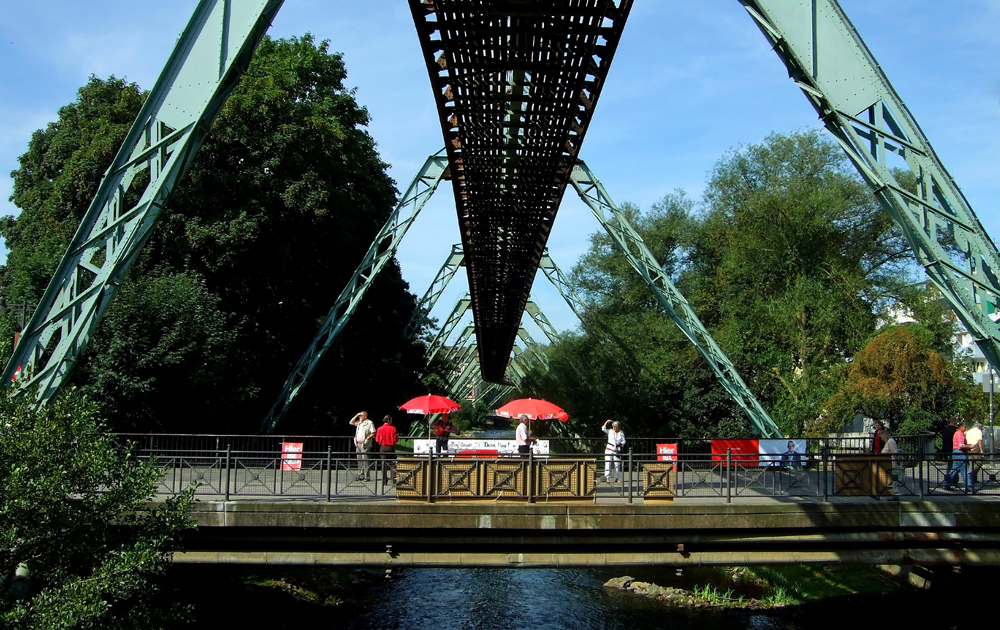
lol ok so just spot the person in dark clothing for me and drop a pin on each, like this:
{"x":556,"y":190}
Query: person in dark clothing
{"x":947,"y":437}
{"x":878,"y":441}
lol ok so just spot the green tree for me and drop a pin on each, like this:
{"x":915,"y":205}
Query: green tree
{"x":900,"y":379}
{"x":75,"y":513}
{"x":262,"y":234}
{"x":787,"y":260}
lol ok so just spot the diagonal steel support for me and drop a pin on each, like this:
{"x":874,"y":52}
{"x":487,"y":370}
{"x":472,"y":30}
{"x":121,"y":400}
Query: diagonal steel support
{"x":456,"y":259}
{"x":537,"y":316}
{"x":381,"y":251}
{"x":448,"y":327}
{"x":454,"y":352}
{"x":562,"y":284}
{"x":207,"y":62}
{"x":833,"y":67}
{"x":593,"y":194}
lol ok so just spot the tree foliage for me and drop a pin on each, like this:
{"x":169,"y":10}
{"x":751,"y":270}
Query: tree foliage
{"x":74,"y":513}
{"x":787,"y":259}
{"x":261,"y":235}
{"x":900,"y":379}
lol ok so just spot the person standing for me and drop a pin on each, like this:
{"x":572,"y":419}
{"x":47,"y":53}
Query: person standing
{"x":974,"y":438}
{"x":959,"y":460}
{"x":364,"y":441}
{"x":443,"y":427}
{"x":387,"y":437}
{"x":947,"y":436}
{"x":613,"y":449}
{"x":522,"y":436}
{"x":890,"y":448}
{"x":878,"y":442}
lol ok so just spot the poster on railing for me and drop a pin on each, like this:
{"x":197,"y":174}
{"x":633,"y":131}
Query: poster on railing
{"x":744,"y":452}
{"x":468,"y":447}
{"x":783,"y":453}
{"x":291,"y":455}
{"x":667,"y":453}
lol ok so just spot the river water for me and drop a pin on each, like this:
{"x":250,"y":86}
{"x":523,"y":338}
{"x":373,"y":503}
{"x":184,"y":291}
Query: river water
{"x":539,"y":599}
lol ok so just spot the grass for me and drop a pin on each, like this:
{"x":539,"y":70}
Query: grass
{"x":800,"y":584}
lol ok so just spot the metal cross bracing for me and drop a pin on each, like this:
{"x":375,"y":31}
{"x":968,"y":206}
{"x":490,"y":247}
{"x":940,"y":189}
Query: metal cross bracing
{"x":641,"y":259}
{"x":516,"y":84}
{"x":207,"y":62}
{"x":440,"y":282}
{"x":380,"y":252}
{"x":828,"y":60}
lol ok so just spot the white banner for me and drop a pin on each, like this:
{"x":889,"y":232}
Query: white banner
{"x":788,"y":453}
{"x":484,"y":448}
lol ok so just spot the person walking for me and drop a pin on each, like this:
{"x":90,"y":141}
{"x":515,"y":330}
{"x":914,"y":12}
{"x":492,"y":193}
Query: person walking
{"x":878,"y":441}
{"x":959,"y":460}
{"x":891,"y":449}
{"x":947,"y":436}
{"x":387,"y":437}
{"x":613,"y":449}
{"x":364,"y":441}
{"x":974,"y":438}
{"x":443,"y":427}
{"x":522,"y":436}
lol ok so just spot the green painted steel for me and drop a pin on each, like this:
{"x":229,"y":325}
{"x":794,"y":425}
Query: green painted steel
{"x":456,"y":349}
{"x":533,"y":348}
{"x":381,"y":251}
{"x":448,"y":327}
{"x":828,"y":60}
{"x":540,"y":320}
{"x":593,"y":194}
{"x":208,"y":60}
{"x":455,"y":260}
{"x":562,"y":284}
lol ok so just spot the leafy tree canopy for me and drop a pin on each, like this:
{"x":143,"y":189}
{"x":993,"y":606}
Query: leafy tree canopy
{"x":261,"y":235}
{"x":79,"y":543}
{"x":787,"y":259}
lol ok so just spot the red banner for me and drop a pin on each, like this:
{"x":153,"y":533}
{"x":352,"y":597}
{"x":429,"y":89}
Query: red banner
{"x":667,"y":453}
{"x":291,"y":455}
{"x":746,"y":452}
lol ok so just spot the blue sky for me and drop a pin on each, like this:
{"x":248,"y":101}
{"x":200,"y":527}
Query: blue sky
{"x":691,"y":80}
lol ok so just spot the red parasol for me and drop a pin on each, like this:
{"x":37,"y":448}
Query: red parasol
{"x":429,"y":404}
{"x":534,"y":408}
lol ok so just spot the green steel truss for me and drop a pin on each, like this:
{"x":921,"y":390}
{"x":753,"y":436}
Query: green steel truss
{"x":448,"y":327}
{"x":592,"y":193}
{"x":456,"y":259}
{"x":208,"y":60}
{"x":827,"y":59}
{"x":540,"y":320}
{"x":381,"y":251}
{"x":559,"y":281}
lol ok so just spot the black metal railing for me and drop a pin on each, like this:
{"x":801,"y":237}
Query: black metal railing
{"x":828,"y":469}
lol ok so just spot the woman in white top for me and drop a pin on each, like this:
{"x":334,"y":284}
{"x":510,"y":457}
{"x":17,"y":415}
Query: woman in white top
{"x":613,"y":449}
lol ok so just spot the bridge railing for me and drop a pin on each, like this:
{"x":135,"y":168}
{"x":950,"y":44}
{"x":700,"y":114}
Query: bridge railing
{"x":343,"y":475}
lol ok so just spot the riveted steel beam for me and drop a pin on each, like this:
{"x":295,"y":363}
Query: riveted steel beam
{"x":207,"y":62}
{"x":593,"y":194}
{"x":381,"y":251}
{"x":840,"y":78}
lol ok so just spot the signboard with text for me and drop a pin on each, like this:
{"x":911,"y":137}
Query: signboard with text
{"x":479,"y":447}
{"x":667,"y":453}
{"x":291,"y":455}
{"x":746,"y":452}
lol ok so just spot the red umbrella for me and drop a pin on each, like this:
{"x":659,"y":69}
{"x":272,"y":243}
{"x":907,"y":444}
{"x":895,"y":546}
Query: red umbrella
{"x":429,"y":404}
{"x":534,"y":408}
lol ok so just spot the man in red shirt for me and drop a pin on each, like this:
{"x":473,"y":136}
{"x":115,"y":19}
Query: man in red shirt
{"x":386,"y":436}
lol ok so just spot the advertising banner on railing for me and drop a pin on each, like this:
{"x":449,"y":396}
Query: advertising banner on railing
{"x":746,"y":452}
{"x":667,"y":453}
{"x":291,"y":455}
{"x":784,"y":453}
{"x":468,"y":447}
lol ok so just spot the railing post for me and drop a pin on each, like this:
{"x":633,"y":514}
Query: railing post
{"x":920,"y":472}
{"x":824,"y":454}
{"x":629,"y":474}
{"x":430,"y":474}
{"x":530,"y":476}
{"x":329,"y":472}
{"x":229,"y":453}
{"x":729,"y":473}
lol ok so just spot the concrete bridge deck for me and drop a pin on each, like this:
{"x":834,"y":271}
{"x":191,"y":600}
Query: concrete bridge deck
{"x":857,"y":530}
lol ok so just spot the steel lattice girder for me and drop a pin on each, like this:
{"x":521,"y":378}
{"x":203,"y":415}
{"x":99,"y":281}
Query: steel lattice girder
{"x":828,"y":60}
{"x":624,"y":235}
{"x":448,"y":327}
{"x":561,"y":283}
{"x":516,"y":84}
{"x":379,"y":253}
{"x":426,"y":304}
{"x":208,"y":60}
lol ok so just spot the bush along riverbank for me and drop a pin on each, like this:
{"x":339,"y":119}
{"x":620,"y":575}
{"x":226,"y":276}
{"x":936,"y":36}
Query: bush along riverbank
{"x":761,"y":588}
